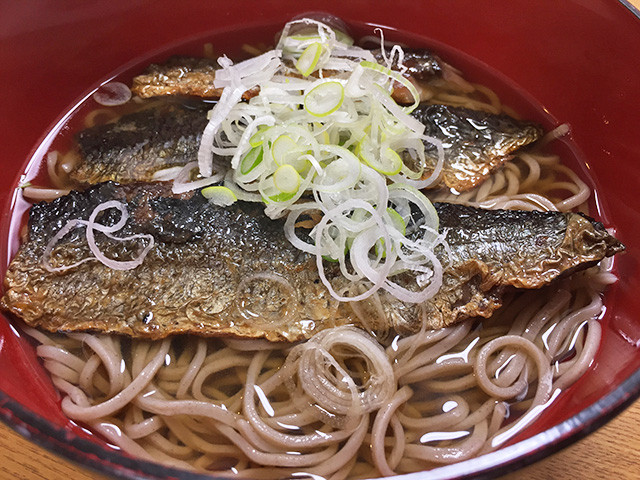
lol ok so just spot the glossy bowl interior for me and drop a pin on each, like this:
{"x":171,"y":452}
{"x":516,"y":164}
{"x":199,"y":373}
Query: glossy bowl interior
{"x":572,"y":62}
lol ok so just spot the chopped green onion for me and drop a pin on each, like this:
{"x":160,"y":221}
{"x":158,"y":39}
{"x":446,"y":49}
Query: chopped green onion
{"x":221,"y":196}
{"x":322,"y":133}
{"x":376,"y":67}
{"x":391,"y":158}
{"x":397,"y":221}
{"x":309,"y":59}
{"x":324,"y":99}
{"x":407,"y":193}
{"x":384,"y":161}
{"x":340,"y":36}
{"x":304,"y":38}
{"x":285,"y":150}
{"x":339,"y":141}
{"x":341,"y":173}
{"x":287,"y":179}
{"x":343,"y":37}
{"x":251,"y":160}
{"x":258,"y":138}
{"x":280,"y":197}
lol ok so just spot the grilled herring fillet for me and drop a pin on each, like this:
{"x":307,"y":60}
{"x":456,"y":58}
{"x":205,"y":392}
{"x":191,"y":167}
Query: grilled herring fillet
{"x":475,"y":143}
{"x":494,"y":251}
{"x":191,"y":76}
{"x":178,"y":76}
{"x":230,"y":271}
{"x":184,"y":76}
{"x":137,"y":145}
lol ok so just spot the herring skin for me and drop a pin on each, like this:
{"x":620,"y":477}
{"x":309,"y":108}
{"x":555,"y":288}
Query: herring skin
{"x":496,"y":251}
{"x":475,"y":143}
{"x":230,"y":271}
{"x":192,"y":76}
{"x":420,"y":64}
{"x":203,"y":276}
{"x":137,"y":145}
{"x":178,"y":76}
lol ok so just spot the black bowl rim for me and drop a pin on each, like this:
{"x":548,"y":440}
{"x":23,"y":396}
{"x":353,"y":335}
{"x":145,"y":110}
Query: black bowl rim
{"x":93,"y":456}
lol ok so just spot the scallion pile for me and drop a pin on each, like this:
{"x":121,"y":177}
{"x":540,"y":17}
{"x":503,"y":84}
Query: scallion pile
{"x":325,"y":136}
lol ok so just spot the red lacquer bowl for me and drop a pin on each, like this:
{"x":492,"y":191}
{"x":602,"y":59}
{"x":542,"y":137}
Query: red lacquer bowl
{"x":575,"y":61}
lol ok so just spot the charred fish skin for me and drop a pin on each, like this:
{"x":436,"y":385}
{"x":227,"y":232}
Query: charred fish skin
{"x":212,"y":271}
{"x":495,"y":251}
{"x":230,"y":271}
{"x":137,"y":145}
{"x":420,"y":64}
{"x":192,"y":76}
{"x":423,"y":68}
{"x":475,"y":143}
{"x":524,"y":249}
{"x":181,"y":76}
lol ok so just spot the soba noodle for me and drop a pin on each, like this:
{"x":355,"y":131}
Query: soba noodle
{"x":347,"y":404}
{"x":432,"y":398}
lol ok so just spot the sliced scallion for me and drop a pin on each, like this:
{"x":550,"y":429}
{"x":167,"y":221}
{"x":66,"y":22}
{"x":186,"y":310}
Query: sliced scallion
{"x":287,"y":179}
{"x":251,"y":160}
{"x":218,"y":195}
{"x":397,"y":221}
{"x":258,"y":138}
{"x":309,"y":59}
{"x":285,"y":150}
{"x":385,"y":160}
{"x":324,"y":99}
{"x":280,"y":197}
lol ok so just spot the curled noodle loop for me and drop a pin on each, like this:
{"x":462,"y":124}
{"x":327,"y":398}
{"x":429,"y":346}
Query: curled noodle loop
{"x":344,"y":371}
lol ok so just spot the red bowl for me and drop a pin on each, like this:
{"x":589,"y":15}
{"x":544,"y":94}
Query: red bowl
{"x":574,"y":61}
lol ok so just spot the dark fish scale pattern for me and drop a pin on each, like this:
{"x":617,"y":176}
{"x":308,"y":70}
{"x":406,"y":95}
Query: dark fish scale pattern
{"x":231,"y":272}
{"x":133,"y":148}
{"x":137,"y":145}
{"x":475,"y":143}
